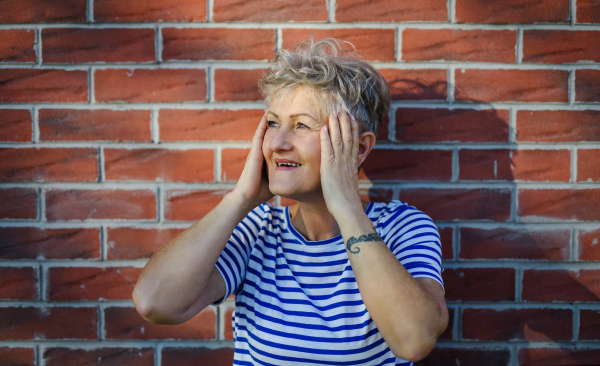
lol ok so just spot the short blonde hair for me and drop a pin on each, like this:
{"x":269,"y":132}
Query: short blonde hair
{"x":341,"y":78}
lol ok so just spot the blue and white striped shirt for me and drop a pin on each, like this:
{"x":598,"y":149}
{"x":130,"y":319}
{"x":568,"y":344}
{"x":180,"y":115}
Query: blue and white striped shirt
{"x":297,"y":301}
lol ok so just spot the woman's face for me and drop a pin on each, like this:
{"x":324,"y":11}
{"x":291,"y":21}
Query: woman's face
{"x":292,"y":147}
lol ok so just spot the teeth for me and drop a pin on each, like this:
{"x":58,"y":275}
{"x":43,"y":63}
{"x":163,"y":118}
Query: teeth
{"x":287,"y":164}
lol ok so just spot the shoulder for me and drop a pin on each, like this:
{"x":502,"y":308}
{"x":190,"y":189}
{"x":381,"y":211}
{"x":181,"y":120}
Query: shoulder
{"x":396,"y":210}
{"x":400,"y":220}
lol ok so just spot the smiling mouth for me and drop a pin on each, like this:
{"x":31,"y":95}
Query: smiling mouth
{"x":287,"y":164}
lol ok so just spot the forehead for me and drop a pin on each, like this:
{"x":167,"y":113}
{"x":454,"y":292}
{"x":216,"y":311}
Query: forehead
{"x":300,"y":100}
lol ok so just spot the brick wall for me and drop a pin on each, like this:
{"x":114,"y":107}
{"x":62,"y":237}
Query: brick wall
{"x":124,"y":121}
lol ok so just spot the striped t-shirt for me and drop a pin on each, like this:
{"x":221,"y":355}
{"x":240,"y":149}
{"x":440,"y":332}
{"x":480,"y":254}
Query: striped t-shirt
{"x":297,"y":301}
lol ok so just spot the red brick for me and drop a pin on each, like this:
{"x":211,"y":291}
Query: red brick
{"x":17,"y":356}
{"x":42,"y":11}
{"x":218,"y":44}
{"x":90,"y":283}
{"x":447,"y":356}
{"x":515,"y":165}
{"x":237,"y":85}
{"x":228,"y":323}
{"x":18,"y":203}
{"x":107,"y":356}
{"x":125,"y":323}
{"x":137,"y":204}
{"x":561,"y":285}
{"x":47,"y":85}
{"x":512,"y":85}
{"x":160,"y":165}
{"x":49,"y":164}
{"x":36,"y":243}
{"x":232,"y":163}
{"x":560,"y":46}
{"x":17,"y":45}
{"x":460,"y":204}
{"x":562,"y":204}
{"x":588,"y":11}
{"x":517,"y":324}
{"x":373,"y":194}
{"x":558,"y":356}
{"x":558,"y":126}
{"x":150,"y":10}
{"x":390,"y":11}
{"x":269,"y":10}
{"x":587,"y":165}
{"x":459,"y":45}
{"x":143,"y":85}
{"x":588,"y":240}
{"x":512,"y":11}
{"x":15,"y":125}
{"x":32,"y":323}
{"x":446,"y":236}
{"x":373,"y":44}
{"x":461,"y":125}
{"x":479,"y":284}
{"x":589,"y":326}
{"x":586,"y":85}
{"x":191,"y":205}
{"x":387,"y":164}
{"x":19,"y":283}
{"x":94,"y":125}
{"x":208,"y":124}
{"x":416,"y":84}
{"x":134,"y":243}
{"x":519,"y":243}
{"x":179,"y":356}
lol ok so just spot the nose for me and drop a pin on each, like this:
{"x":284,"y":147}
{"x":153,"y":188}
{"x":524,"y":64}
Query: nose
{"x":281,"y":140}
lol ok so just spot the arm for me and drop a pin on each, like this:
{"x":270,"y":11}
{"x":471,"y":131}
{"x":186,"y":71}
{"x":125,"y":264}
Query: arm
{"x":181,"y":279}
{"x":410,"y":313}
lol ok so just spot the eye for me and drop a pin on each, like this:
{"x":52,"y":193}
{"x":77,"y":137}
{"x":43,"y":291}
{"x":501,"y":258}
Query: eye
{"x":302,"y":125}
{"x":271,"y":124}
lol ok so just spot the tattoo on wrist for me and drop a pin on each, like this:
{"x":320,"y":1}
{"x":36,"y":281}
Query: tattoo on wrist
{"x":363,"y":238}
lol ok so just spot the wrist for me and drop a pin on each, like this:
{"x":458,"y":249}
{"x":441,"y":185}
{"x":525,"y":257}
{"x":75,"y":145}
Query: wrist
{"x":242,"y":204}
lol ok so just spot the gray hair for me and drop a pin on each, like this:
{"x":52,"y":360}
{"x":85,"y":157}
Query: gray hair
{"x":341,"y":79}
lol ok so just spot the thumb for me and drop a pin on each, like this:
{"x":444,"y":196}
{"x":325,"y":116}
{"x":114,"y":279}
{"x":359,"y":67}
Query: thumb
{"x":327,"y":154}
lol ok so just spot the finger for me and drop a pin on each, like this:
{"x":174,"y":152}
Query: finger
{"x":326,"y":148}
{"x":355,"y":140}
{"x":257,"y":140}
{"x":334,"y":133}
{"x":346,"y":130}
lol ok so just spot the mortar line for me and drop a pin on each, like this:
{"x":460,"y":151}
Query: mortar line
{"x":574,"y":245}
{"x":41,"y":205}
{"x":103,"y":244}
{"x":210,"y":79}
{"x":101,"y":163}
{"x":278,"y":39}
{"x":91,"y":96}
{"x":573,"y":12}
{"x":572,"y":87}
{"x":35,"y":125}
{"x":38,"y":355}
{"x":455,"y":165}
{"x":209,"y":13}
{"x":456,"y":242}
{"x":90,"y":11}
{"x":392,"y":124}
{"x":158,"y":44}
{"x":331,"y":11}
{"x":38,"y":47}
{"x":519,"y":46}
{"x":452,"y":11}
{"x":576,"y":323}
{"x":160,"y":194}
{"x":217,"y":164}
{"x":451,"y":82}
{"x":512,"y":126}
{"x":399,"y":31}
{"x":154,"y":125}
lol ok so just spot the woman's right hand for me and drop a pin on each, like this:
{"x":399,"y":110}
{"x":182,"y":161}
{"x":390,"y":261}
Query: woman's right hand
{"x":252,"y":189}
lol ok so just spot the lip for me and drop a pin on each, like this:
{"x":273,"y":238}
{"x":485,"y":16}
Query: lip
{"x":285,"y":161}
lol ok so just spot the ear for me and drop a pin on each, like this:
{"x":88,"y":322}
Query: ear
{"x":366,"y":142}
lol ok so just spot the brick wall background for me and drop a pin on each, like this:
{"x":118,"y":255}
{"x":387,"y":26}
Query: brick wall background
{"x":124,"y":121}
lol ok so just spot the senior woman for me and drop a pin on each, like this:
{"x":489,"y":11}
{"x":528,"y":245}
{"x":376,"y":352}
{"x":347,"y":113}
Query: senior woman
{"x":331,"y":280}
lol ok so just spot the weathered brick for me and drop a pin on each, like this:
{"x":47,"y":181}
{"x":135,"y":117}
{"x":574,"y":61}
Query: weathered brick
{"x":558,"y":126}
{"x":512,"y":85}
{"x":17,"y":45}
{"x":137,"y":204}
{"x":390,"y":11}
{"x":512,"y":11}
{"x":78,"y":45}
{"x":518,"y":243}
{"x":232,"y":163}
{"x":150,"y":10}
{"x":19,"y":283}
{"x":32,"y":323}
{"x":180,"y":356}
{"x":558,"y":356}
{"x":459,"y":45}
{"x":17,"y":356}
{"x":269,"y":10}
{"x":190,"y":205}
{"x":562,"y":204}
{"x":107,"y":356}
{"x":159,"y":165}
{"x":588,"y":11}
{"x":448,"y":334}
{"x":388,"y":164}
{"x":416,"y":84}
{"x":49,"y":164}
{"x":228,"y":322}
{"x":561,"y":285}
{"x":560,"y":46}
{"x":373,"y":44}
{"x":42,"y":11}
{"x":374,"y":194}
{"x":588,"y":240}
{"x":144,"y":85}
{"x":515,"y":165}
{"x":36,"y":243}
{"x":43,"y":85}
{"x":237,"y":85}
{"x":446,"y":236}
{"x":94,"y":125}
{"x":449,"y":356}
{"x":125,"y":323}
{"x":479,"y":284}
{"x":460,"y":125}
{"x":589,"y":325}
{"x":18,"y":203}
{"x":91,"y":283}
{"x":588,"y":169}
{"x":460,"y":204}
{"x":218,"y":44}
{"x":586,"y":85}
{"x":517,"y":324}
{"x":137,"y":243}
{"x":15,"y":125}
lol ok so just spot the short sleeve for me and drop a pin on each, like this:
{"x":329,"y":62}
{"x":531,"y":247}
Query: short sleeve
{"x":414,"y":239}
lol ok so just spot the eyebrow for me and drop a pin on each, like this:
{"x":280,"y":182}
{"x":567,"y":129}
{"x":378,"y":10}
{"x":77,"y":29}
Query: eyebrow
{"x":295,"y":115}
